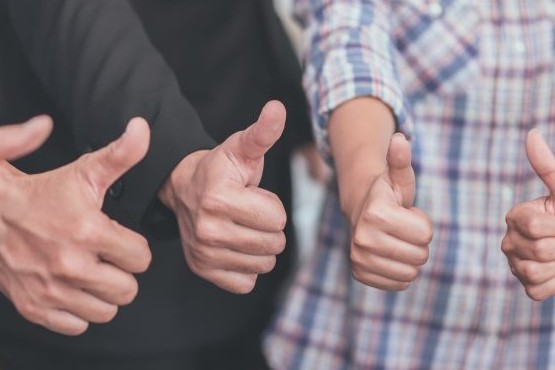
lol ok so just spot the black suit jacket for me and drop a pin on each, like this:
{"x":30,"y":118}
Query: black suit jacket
{"x":93,"y":65}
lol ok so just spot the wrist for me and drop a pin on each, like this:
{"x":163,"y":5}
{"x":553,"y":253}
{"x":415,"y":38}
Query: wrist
{"x":178,"y":179}
{"x":360,"y":131}
{"x":354,"y":185}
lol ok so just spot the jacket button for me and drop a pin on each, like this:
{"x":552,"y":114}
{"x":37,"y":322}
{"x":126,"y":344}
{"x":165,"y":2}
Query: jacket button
{"x":116,"y":190}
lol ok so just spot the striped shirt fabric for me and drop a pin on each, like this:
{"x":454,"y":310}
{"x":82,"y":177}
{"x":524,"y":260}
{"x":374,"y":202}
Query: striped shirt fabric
{"x":466,"y":79}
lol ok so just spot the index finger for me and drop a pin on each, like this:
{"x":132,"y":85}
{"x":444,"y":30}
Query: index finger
{"x":20,"y":139}
{"x":123,"y":247}
{"x":251,"y":207}
{"x":410,"y":225}
{"x":540,"y":250}
{"x":526,"y":220}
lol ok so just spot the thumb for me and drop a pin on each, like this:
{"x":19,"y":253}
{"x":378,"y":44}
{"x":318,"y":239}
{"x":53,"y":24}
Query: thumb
{"x":541,"y":158}
{"x":18,"y":140}
{"x":400,"y":169}
{"x":104,"y":166}
{"x":258,"y":138}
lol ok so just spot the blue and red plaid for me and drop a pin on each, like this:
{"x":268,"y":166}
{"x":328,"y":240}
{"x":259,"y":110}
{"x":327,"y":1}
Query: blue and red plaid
{"x":466,"y":79}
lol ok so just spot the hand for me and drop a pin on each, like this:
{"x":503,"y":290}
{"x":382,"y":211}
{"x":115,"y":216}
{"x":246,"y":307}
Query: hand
{"x":18,"y":140}
{"x":529,"y":242}
{"x":231,"y":230}
{"x":63,"y":262}
{"x":390,"y":237}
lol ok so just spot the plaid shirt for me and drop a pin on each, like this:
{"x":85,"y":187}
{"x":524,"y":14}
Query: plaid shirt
{"x":466,"y":80}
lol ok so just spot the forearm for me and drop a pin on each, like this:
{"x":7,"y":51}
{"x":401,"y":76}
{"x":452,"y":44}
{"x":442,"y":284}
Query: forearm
{"x":343,"y":66}
{"x":359,"y":131}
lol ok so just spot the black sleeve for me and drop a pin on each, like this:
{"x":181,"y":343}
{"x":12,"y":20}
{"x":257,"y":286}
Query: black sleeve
{"x":96,"y":62}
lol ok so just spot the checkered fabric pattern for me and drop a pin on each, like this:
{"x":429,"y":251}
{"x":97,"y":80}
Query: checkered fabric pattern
{"x":466,"y":79}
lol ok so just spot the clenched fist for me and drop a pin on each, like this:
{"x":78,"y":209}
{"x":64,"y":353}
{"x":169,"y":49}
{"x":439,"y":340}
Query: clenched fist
{"x":529,"y":242}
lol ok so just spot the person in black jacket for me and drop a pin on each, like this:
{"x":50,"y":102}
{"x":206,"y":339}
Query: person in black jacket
{"x":186,"y":66}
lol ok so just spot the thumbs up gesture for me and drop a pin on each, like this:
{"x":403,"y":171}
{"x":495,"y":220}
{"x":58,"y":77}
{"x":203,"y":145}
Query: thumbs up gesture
{"x":63,"y":262}
{"x":390,"y":237}
{"x":231,"y":230}
{"x":529,"y":242}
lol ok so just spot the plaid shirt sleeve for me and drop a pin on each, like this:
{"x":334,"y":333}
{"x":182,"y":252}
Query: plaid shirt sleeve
{"x":349,"y":53}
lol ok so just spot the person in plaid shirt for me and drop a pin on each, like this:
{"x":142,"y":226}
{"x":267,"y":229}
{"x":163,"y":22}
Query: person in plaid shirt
{"x":471,"y":84}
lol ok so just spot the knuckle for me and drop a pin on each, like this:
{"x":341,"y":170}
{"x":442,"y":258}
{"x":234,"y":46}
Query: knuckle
{"x":357,"y":275}
{"x":376,"y":216}
{"x":281,"y":243}
{"x":129,"y":291}
{"x":534,"y":225}
{"x":272,"y":208}
{"x":506,"y":244}
{"x":77,"y":329}
{"x":362,"y":276}
{"x":428,"y":235}
{"x":510,"y":217}
{"x":395,"y":253}
{"x":281,"y":220}
{"x":85,"y":230}
{"x":409,"y":274}
{"x":356,"y":258}
{"x":107,"y":314}
{"x":367,"y":240}
{"x":203,"y":255}
{"x":425,"y":233}
{"x":206,"y":232}
{"x":50,"y":293}
{"x":213,"y":202}
{"x":359,"y":237}
{"x":144,"y":260}
{"x":28,"y":310}
{"x":275,"y":244}
{"x":543,"y":251}
{"x":513,"y":269}
{"x":244,"y":289}
{"x":267,"y":265}
{"x":423,"y":257}
{"x":361,"y":259}
{"x":532,"y":272}
{"x":534,"y":293}
{"x":245,"y":286}
{"x":65,"y":266}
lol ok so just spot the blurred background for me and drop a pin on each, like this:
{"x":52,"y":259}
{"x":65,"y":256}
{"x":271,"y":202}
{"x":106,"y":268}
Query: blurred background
{"x":307,"y":193}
